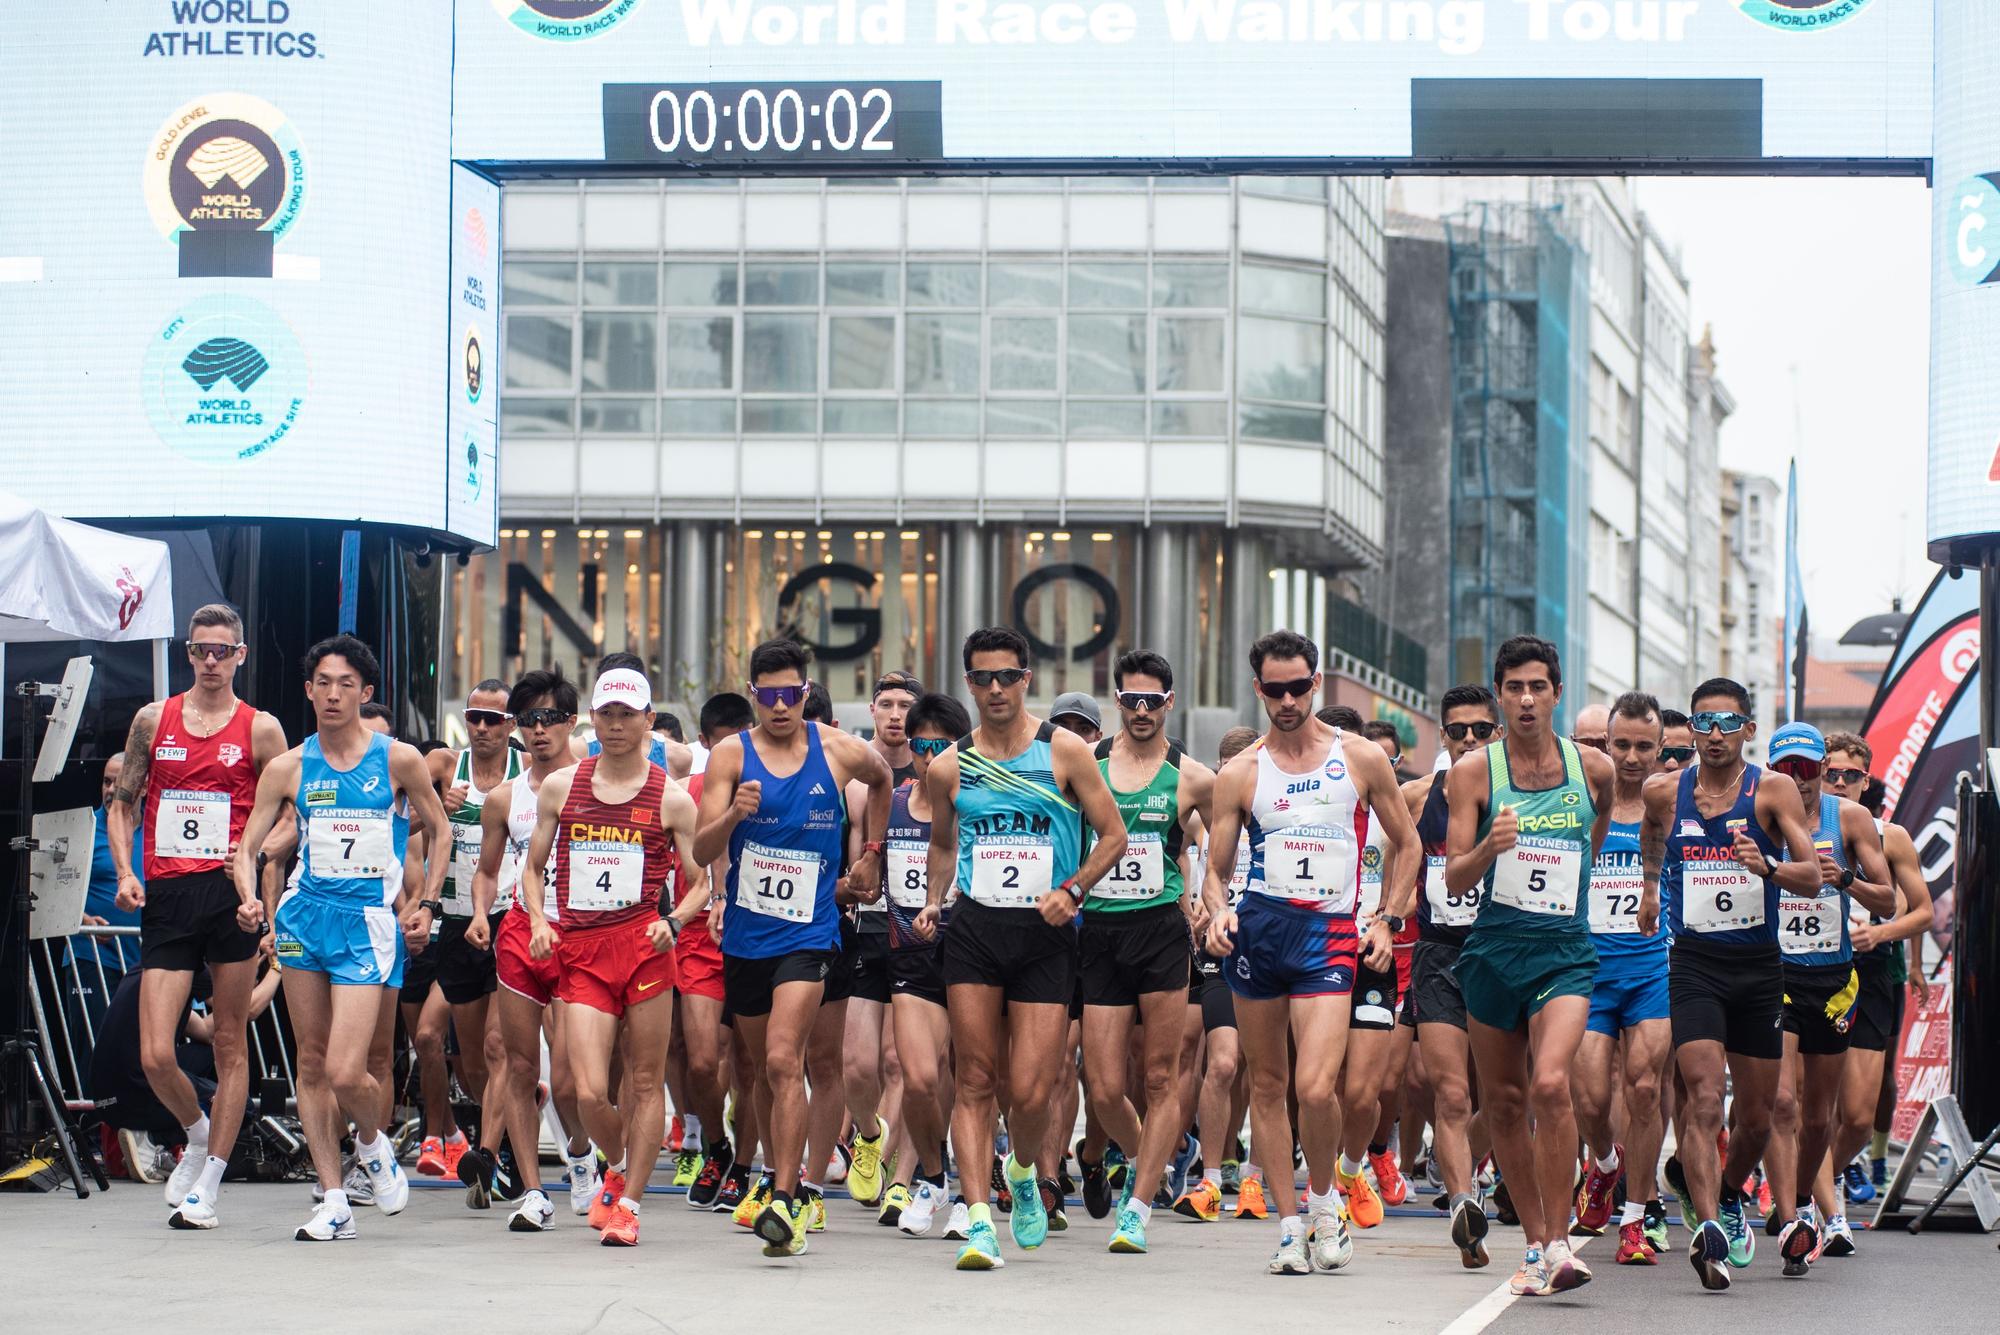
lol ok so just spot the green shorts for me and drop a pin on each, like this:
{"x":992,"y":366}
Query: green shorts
{"x":1506,"y":979}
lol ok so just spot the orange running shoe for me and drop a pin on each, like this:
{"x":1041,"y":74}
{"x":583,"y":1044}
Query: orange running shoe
{"x":1633,"y":1249}
{"x":1389,"y":1180}
{"x":675,"y":1131}
{"x":622,"y":1229}
{"x":606,"y":1205}
{"x":1250,"y":1199}
{"x":1364,"y":1207}
{"x":430,"y":1157}
{"x":1202,"y":1201}
{"x":454,"y":1150}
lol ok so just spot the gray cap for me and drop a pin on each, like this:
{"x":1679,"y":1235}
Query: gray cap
{"x":1076,"y":702}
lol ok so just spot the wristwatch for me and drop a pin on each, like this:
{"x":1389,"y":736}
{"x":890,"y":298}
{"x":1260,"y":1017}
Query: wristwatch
{"x":674,"y":926}
{"x":1069,"y":888}
{"x":1395,"y":923}
{"x":1846,"y":878}
{"x":436,"y":906}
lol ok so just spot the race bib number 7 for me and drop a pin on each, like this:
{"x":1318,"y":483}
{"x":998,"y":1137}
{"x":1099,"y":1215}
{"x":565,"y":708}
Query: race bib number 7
{"x":191,"y":825}
{"x":345,"y":843}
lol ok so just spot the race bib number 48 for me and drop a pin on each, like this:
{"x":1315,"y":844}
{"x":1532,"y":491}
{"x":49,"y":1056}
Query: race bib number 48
{"x":1809,"y":925}
{"x":191,"y":825}
{"x":1010,"y":874}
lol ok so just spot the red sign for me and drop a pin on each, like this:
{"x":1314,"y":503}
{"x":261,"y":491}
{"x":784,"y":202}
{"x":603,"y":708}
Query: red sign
{"x":1900,"y":728}
{"x":1923,"y":1055}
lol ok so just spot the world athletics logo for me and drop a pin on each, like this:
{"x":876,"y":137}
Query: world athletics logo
{"x":1971,"y":240}
{"x":225,"y":180}
{"x":565,"y":20}
{"x":1801,"y":15}
{"x":224,"y":380}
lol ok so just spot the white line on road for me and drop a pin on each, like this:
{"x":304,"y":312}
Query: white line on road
{"x":1488,"y":1309}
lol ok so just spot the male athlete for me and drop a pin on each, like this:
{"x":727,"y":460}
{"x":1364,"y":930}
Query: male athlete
{"x":196,"y":758}
{"x":1527,"y":816}
{"x":1711,"y":843}
{"x":337,"y":935}
{"x":1306,"y":797}
{"x":774,"y":800}
{"x":1009,"y":806}
{"x":611,"y":823}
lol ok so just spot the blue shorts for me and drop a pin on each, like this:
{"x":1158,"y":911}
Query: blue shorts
{"x":1283,"y":951}
{"x":1630,"y":989}
{"x":356,"y":944}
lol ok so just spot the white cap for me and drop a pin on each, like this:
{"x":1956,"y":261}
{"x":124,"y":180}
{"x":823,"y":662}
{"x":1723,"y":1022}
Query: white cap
{"x":622,"y":686}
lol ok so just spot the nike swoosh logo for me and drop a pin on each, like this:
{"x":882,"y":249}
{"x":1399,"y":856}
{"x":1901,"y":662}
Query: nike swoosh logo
{"x":1545,"y":992}
{"x":644,"y":986}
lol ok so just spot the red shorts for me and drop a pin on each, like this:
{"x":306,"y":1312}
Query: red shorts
{"x":611,"y":968}
{"x":699,"y":961}
{"x":519,"y":971}
{"x":1403,"y":953}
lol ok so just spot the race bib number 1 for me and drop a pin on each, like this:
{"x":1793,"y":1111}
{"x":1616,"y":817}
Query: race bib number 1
{"x":605,"y":876}
{"x":1316,"y":864}
{"x":1010,"y":875}
{"x":191,"y":825}
{"x":778,"y":883}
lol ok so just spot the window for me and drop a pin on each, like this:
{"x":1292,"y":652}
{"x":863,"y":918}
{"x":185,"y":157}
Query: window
{"x":538,"y":283}
{"x":620,"y":352}
{"x":861,"y":352}
{"x":701,"y":284}
{"x":617,"y":417}
{"x":1107,"y":354}
{"x":861,"y":417}
{"x":941,"y":355}
{"x":620,"y":285}
{"x":779,"y":417}
{"x":1118,"y":420}
{"x":701,"y":352}
{"x":1280,"y":359}
{"x":1023,"y":417}
{"x":536,"y":417}
{"x":698,"y":417}
{"x":539,"y":348}
{"x":862,"y":285}
{"x":1024,"y":285}
{"x":1193,"y":418}
{"x":1110,"y":285}
{"x":1176,"y":284}
{"x":940,"y":417}
{"x":780,"y":285}
{"x":1189,"y":353}
{"x":944,"y":284}
{"x":1024,"y":353}
{"x":780,"y":352}
{"x":1283,"y":291}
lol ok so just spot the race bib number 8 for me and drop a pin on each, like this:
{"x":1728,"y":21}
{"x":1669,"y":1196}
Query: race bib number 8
{"x":1447,"y":909}
{"x":1140,"y":874}
{"x":1011,"y":875}
{"x":1539,"y":876}
{"x":777,"y":883}
{"x":1809,"y":925}
{"x":605,"y":876}
{"x":191,"y":825}
{"x":1614,"y":899}
{"x":1311,"y":863}
{"x":907,"y":867}
{"x":346,"y":843}
{"x":1720,"y":897}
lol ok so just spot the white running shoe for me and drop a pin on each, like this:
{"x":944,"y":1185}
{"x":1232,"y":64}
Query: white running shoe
{"x":1291,"y":1257}
{"x":1332,"y":1248}
{"x":1566,"y":1270}
{"x":535,"y":1215}
{"x":186,"y":1173}
{"x":145,"y":1160}
{"x":387,"y":1182}
{"x":922,"y":1209}
{"x":584,"y":1183}
{"x":194,"y":1211}
{"x":360,"y":1191}
{"x":958,"y":1224}
{"x":325,"y":1225}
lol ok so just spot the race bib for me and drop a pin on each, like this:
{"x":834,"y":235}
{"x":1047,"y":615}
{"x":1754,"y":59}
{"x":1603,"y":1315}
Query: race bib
{"x":1447,"y":909}
{"x":191,"y":825}
{"x":1141,"y":873}
{"x":605,"y":875}
{"x":1720,"y":897}
{"x":1857,"y":916}
{"x":347,"y":843}
{"x":1614,"y":899}
{"x":907,"y":869}
{"x":1239,"y":875}
{"x":1809,"y":925}
{"x":1012,"y":874}
{"x":457,"y":897}
{"x":1539,"y":876}
{"x":1311,"y":862}
{"x":777,"y":882}
{"x":1370,"y":902}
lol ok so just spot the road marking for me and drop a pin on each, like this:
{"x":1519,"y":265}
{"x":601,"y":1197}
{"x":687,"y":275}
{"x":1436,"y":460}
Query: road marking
{"x":1488,"y":1309}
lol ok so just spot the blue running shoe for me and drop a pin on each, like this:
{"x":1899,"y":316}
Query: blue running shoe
{"x":1129,"y":1238}
{"x":1742,"y":1243}
{"x":982,"y":1248}
{"x":1183,"y":1164}
{"x":1859,"y":1189}
{"x":1708,"y":1251}
{"x":1029,"y":1222}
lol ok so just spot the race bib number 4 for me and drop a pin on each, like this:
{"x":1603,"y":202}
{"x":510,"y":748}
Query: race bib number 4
{"x":1010,"y":874}
{"x":605,"y":876}
{"x":1809,"y":925}
{"x":347,"y":843}
{"x":777,"y":883}
{"x":1614,"y":899}
{"x":1447,"y":909}
{"x":1140,"y":874}
{"x":1311,"y":863}
{"x":1720,"y":897}
{"x":191,"y":825}
{"x":907,"y":869}
{"x":1539,"y":876}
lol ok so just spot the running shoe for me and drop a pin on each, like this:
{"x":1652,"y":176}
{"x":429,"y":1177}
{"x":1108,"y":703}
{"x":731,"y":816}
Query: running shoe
{"x":146,"y":1160}
{"x":997,"y":1183}
{"x":1291,"y":1258}
{"x":1677,"y":1183}
{"x":1096,"y":1186}
{"x":1531,"y":1280}
{"x":1859,"y":1189}
{"x":1634,"y":1248}
{"x":1029,"y":1223}
{"x":734,"y":1188}
{"x":676,"y":1134}
{"x":1763,"y":1193}
{"x":1468,"y":1233}
{"x":1566,"y":1271}
{"x":194,"y":1211}
{"x":921,"y":1208}
{"x":454,"y":1150}
{"x":430,"y":1158}
{"x":1163,"y":1195}
{"x":186,"y":1173}
{"x":753,"y":1203}
{"x":1183,"y":1162}
{"x":583,"y":1181}
{"x":1593,"y":1199}
{"x":1250,"y":1200}
{"x":864,"y":1179}
{"x":1129,"y":1238}
{"x":621,"y":1229}
{"x":843,"y":1158}
{"x":1708,"y":1252}
{"x":386,"y":1179}
{"x":958,"y":1224}
{"x":475,"y":1170}
{"x":1203,"y":1202}
{"x":1326,"y":1230}
{"x":687,"y":1163}
{"x":783,"y":1226}
{"x":1837,"y":1239}
{"x":894,"y":1201}
{"x":1878,"y":1172}
{"x":1052,"y":1205}
{"x":1390,"y":1184}
{"x":1656,"y":1226}
{"x":536,"y":1214}
{"x":1796,"y":1243}
{"x":609,"y":1192}
{"x":360,"y":1191}
{"x":326,"y":1225}
{"x":1065,"y":1182}
{"x":1742,"y":1242}
{"x":707,"y":1184}
{"x":981,"y":1250}
{"x":801,"y":1222}
{"x":1503,"y":1204}
{"x":1232,"y":1176}
{"x":1364,"y":1207}
{"x":815,"y":1204}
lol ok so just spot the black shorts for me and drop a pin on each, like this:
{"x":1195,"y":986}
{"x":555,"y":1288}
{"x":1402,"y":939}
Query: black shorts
{"x":1819,"y":1007}
{"x":1125,"y":956}
{"x":747,"y":985}
{"x":1014,"y":950}
{"x":189,"y":921}
{"x":914,"y":972}
{"x":1374,"y":998}
{"x":867,"y":964}
{"x":840,"y":977}
{"x":1735,"y":998}
{"x":464,"y":973}
{"x":1878,"y":1014}
{"x":1211,"y":990}
{"x":1435,"y":997}
{"x":420,"y":972}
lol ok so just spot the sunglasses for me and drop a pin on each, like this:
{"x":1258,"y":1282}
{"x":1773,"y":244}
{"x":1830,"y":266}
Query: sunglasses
{"x":1679,"y":755}
{"x":772,"y":696}
{"x":543,"y":718}
{"x":985,"y":677}
{"x":1482,"y":731}
{"x":1150,"y":701}
{"x":214,"y":653}
{"x":1844,"y":777}
{"x":486,"y":718}
{"x":1797,"y":767}
{"x":930,"y":748}
{"x":899,"y":681}
{"x":1726,"y":721}
{"x":1302,"y":687}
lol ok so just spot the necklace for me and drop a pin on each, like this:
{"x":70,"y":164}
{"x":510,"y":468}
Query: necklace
{"x":1726,"y":788}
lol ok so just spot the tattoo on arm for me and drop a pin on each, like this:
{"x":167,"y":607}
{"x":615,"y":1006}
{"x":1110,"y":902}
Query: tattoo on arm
{"x":138,"y":759}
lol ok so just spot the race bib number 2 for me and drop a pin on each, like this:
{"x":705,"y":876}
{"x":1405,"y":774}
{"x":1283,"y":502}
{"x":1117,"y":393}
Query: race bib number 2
{"x":1011,"y":875}
{"x":191,"y":825}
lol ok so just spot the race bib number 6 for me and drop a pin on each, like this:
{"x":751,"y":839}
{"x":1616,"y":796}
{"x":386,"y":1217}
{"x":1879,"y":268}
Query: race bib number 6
{"x":1008,"y":875}
{"x":1720,"y":897}
{"x":191,"y":825}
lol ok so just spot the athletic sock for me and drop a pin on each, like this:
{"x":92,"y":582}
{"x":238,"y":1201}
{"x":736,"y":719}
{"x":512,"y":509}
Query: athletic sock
{"x":1634,"y":1213}
{"x":1377,"y":1149}
{"x":982,"y":1213}
{"x":337,"y":1198}
{"x":1878,"y":1145}
{"x":1316,"y":1202}
{"x":1608,"y":1163}
{"x":629,"y":1204}
{"x":690,"y":1129}
{"x":1211,"y":1177}
{"x":935,"y":1179}
{"x":718,"y":1149}
{"x":1349,"y":1168}
{"x":619,"y":1167}
{"x":197,"y":1134}
{"x":781,"y":1199}
{"x":210,"y":1181}
{"x":1291,"y":1225}
{"x":810,"y":1189}
{"x":376,"y":1146}
{"x":1144,"y":1209}
{"x":455,"y":1138}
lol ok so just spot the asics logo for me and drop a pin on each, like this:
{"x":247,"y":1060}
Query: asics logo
{"x":374,"y":782}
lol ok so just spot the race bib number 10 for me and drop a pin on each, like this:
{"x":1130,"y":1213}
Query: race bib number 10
{"x":778,"y":883}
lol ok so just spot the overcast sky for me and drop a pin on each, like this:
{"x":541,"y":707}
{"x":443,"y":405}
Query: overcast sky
{"x":1830,"y":277}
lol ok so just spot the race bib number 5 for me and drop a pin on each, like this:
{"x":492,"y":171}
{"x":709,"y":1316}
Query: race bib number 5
{"x":1010,"y":875}
{"x":191,"y":825}
{"x":778,"y":883}
{"x":347,"y":843}
{"x":1720,"y":897}
{"x":1539,"y":876}
{"x":605,"y":876}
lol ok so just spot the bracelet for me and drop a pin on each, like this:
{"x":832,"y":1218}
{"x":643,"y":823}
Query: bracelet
{"x":872,"y":846}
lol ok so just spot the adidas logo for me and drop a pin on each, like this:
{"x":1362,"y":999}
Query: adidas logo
{"x":818,"y":790}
